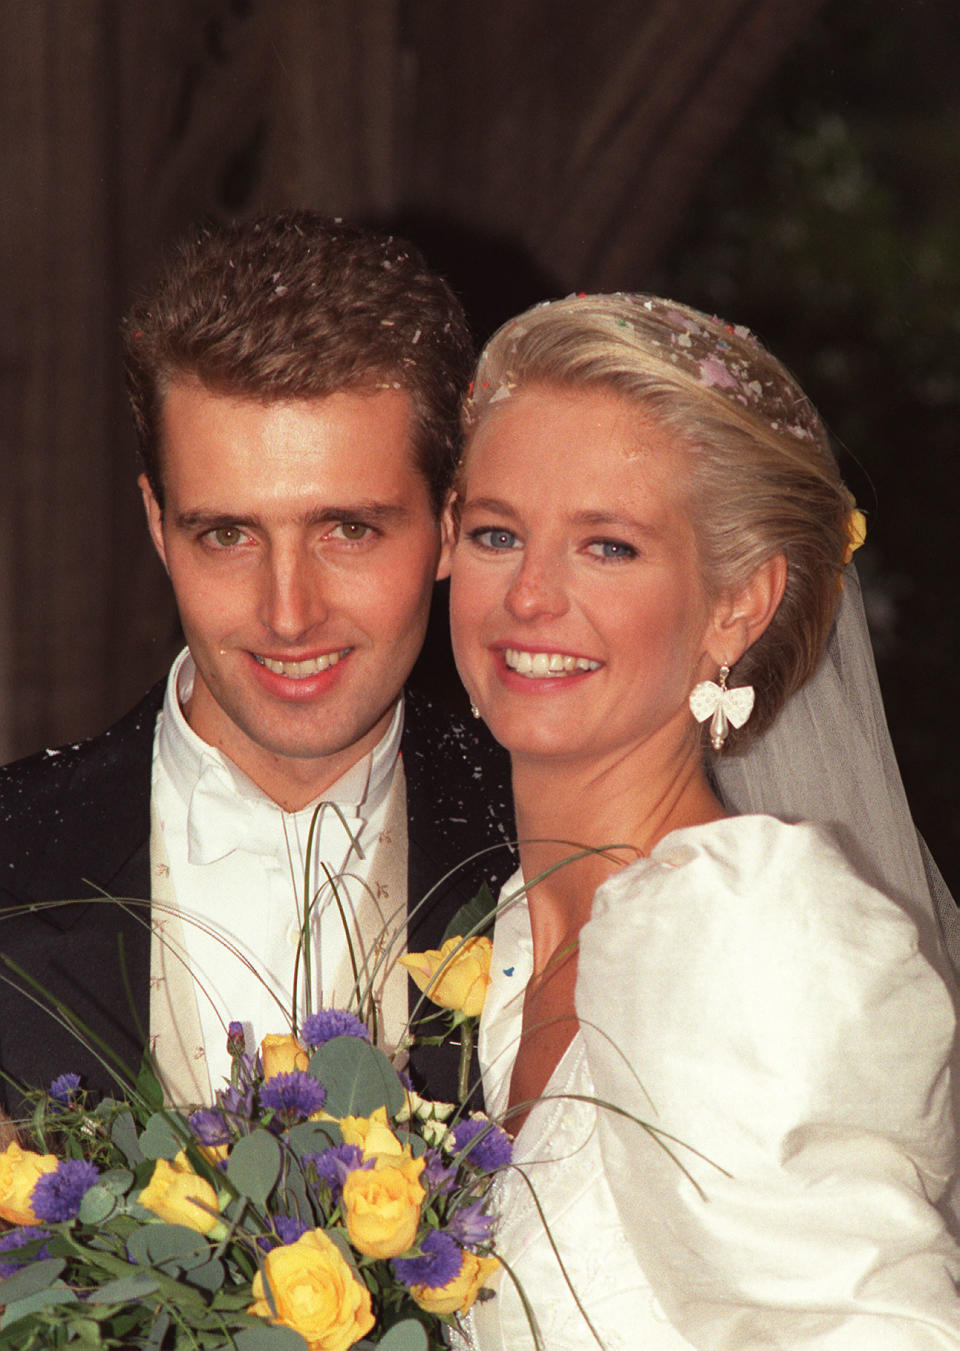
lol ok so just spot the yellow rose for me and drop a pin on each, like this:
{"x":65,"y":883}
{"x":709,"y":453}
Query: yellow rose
{"x":855,"y":527}
{"x":457,"y":1295}
{"x":20,"y":1171}
{"x":173,"y":1192}
{"x":281,"y":1053}
{"x":371,"y":1134}
{"x":383,"y":1206}
{"x":457,"y":976}
{"x":314,"y":1292}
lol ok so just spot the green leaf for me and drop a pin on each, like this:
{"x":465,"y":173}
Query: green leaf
{"x":313,"y":1137}
{"x":98,"y":1202}
{"x":270,"y":1337}
{"x":37,"y":1276}
{"x":299,"y":1201}
{"x":158,"y":1331}
{"x":406,"y":1336}
{"x":117,"y":1180}
{"x":358,"y":1077}
{"x":154,"y":1244}
{"x":124,"y":1289}
{"x":254,"y":1165}
{"x":473,"y":917}
{"x":208,"y":1276}
{"x":164,"y":1135}
{"x":148,"y":1087}
{"x":123,"y":1133}
{"x":43,"y":1299}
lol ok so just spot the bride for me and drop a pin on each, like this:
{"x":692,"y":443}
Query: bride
{"x":722,"y":1045}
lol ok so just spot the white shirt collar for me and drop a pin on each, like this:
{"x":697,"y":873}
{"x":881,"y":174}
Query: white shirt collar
{"x":183,"y":754}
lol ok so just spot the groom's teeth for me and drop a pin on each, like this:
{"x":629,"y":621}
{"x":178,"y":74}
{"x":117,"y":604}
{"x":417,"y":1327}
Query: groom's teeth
{"x":540,"y":664}
{"x":296,"y":670}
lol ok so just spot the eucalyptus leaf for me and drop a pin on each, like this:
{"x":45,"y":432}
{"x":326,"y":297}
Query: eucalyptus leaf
{"x":406,"y":1336}
{"x":164,"y":1135}
{"x":123,"y":1133}
{"x":124,"y":1288}
{"x":359,"y":1078}
{"x":98,"y":1202}
{"x":270,"y":1337}
{"x":254,"y":1165}
{"x":117,"y":1180}
{"x":208,"y":1276}
{"x":313,"y":1137}
{"x":156,"y":1243}
{"x":28,"y":1280}
{"x":36,"y":1303}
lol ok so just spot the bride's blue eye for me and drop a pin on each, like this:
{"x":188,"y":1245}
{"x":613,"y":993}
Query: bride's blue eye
{"x":613,"y":550}
{"x":494,"y":537}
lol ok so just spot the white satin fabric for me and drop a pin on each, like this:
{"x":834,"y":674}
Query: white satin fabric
{"x":743,"y":991}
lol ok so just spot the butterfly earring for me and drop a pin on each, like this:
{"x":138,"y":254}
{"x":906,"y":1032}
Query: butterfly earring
{"x":724,"y":707}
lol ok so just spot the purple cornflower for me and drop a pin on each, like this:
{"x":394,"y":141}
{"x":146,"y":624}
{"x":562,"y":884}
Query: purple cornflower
{"x":322,"y":1027}
{"x":487,"y":1146}
{"x":236,"y":1103}
{"x":209,"y":1127}
{"x":437,"y":1176}
{"x":471,"y":1225}
{"x":64,"y":1089}
{"x":57,"y":1195}
{"x":438,"y":1265}
{"x":236,"y":1041}
{"x":19,"y":1238}
{"x":288,"y":1228}
{"x":293,"y":1094}
{"x":334,"y":1165}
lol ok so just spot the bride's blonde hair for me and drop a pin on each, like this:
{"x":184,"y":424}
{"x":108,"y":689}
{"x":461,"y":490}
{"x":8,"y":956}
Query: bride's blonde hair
{"x":764,"y":480}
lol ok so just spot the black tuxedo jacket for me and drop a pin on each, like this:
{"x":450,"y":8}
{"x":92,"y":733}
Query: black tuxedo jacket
{"x":75,"y":823}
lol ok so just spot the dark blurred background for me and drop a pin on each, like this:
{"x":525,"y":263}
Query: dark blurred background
{"x":791,"y":164}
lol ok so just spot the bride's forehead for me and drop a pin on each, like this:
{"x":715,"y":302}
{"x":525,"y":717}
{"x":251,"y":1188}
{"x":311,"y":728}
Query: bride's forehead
{"x":593,"y":443}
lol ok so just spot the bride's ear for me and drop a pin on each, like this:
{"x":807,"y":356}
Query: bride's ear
{"x":740,"y":617}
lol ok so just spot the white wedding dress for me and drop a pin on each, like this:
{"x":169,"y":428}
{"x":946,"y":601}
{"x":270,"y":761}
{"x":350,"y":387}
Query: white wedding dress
{"x":744,"y":992}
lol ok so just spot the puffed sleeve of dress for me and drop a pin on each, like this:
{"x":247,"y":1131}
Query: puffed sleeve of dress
{"x":745,"y":993}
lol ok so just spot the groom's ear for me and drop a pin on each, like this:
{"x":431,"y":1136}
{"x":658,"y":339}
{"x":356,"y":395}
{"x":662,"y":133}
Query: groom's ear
{"x":448,"y":535}
{"x":741,"y":616}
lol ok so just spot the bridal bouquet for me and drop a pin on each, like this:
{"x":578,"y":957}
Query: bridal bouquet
{"x":318,"y":1202}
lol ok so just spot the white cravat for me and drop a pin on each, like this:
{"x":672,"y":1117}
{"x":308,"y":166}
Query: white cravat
{"x":234,"y":862}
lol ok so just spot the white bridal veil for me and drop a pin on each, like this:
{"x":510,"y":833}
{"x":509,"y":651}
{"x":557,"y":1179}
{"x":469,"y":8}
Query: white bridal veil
{"x":828,"y":758}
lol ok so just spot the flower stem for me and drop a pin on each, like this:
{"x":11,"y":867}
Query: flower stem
{"x":466,"y":1055}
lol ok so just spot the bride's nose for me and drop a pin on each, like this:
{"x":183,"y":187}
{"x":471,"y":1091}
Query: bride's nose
{"x":538,"y":588}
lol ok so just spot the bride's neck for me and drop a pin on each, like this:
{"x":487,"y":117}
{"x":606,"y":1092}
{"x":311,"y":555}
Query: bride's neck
{"x":622,"y":805}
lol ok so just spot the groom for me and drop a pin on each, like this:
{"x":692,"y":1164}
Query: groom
{"x":295,"y":385}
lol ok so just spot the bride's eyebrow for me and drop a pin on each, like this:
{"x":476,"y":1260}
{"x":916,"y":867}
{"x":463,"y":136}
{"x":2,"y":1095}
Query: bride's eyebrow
{"x":493,"y":506}
{"x":613,"y":520}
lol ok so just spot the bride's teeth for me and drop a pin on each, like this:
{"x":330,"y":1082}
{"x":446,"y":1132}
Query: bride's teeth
{"x":296,"y":670}
{"x":540,"y":664}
